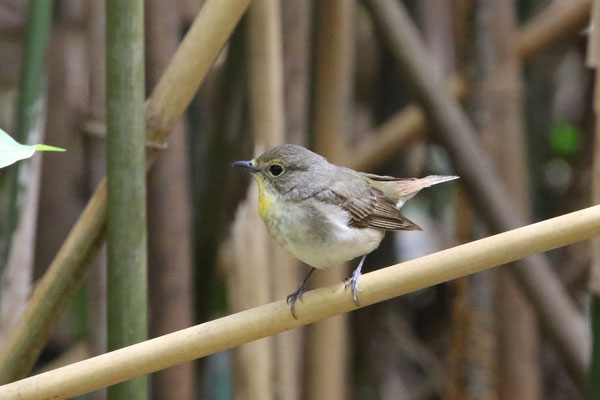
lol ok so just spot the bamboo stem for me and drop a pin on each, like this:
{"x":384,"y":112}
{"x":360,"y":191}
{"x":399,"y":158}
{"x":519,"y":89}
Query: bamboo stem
{"x":559,"y":20}
{"x":170,"y":287}
{"x":236,"y":329}
{"x":200,"y":47}
{"x":556,"y":311}
{"x":270,"y":368}
{"x":327,"y":342}
{"x":518,"y":371}
{"x":127,"y":277}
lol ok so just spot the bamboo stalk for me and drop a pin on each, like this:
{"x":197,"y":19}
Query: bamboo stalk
{"x":236,"y":329}
{"x":274,"y":272}
{"x":559,"y":20}
{"x":206,"y":37}
{"x":327,"y":342}
{"x":518,"y":341}
{"x":556,"y":22}
{"x":556,"y":311}
{"x":481,"y":333}
{"x":169,"y":222}
{"x":265,"y":78}
{"x":296,"y":21}
{"x":127,"y":274}
{"x":296,"y":29}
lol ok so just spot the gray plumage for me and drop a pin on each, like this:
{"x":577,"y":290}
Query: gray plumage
{"x":371,"y":200}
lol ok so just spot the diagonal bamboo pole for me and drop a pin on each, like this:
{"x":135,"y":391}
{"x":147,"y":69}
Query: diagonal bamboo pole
{"x":243,"y":327}
{"x":556,"y":22}
{"x":194,"y":57}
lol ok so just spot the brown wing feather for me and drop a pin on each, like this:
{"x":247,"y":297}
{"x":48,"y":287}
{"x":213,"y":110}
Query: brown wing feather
{"x":368,"y":208}
{"x":406,"y":187}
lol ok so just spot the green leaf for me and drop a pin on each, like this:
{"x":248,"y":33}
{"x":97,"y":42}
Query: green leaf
{"x":11,"y":151}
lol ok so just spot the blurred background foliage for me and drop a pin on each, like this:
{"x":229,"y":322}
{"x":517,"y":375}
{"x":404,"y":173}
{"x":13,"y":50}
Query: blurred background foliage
{"x":467,"y":339}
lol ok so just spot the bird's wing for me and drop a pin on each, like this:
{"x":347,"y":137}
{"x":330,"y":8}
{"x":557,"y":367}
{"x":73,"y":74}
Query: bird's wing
{"x":402,"y":189}
{"x":368,"y":206}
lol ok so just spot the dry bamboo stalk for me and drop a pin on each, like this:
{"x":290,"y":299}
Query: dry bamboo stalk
{"x":266,"y":72}
{"x":274,"y":270}
{"x":480,"y":366}
{"x":556,"y":22}
{"x":189,"y":66}
{"x":251,"y":269}
{"x":296,"y":24}
{"x":256,"y":323}
{"x":170,"y":219}
{"x":327,"y":342}
{"x":517,"y":367}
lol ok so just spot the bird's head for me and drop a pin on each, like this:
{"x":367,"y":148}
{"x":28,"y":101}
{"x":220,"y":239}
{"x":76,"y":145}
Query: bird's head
{"x":287,"y":170}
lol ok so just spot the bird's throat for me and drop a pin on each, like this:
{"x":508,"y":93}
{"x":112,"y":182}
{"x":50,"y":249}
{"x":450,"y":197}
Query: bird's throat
{"x":265,"y":200}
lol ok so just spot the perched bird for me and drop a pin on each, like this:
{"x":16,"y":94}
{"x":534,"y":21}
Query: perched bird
{"x":324,"y":214}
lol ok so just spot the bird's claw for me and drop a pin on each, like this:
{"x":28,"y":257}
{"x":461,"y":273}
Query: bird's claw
{"x":292,"y":298}
{"x":353,"y":283}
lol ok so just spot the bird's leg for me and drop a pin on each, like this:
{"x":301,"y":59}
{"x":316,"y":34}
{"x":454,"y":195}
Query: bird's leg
{"x":298,"y":293}
{"x":353,"y":281}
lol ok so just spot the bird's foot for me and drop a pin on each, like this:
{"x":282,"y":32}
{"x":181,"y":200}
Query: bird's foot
{"x":353,"y":283}
{"x":292,"y":298}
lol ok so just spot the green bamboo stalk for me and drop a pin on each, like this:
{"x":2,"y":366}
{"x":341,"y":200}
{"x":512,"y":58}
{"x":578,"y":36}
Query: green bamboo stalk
{"x":127,"y":277}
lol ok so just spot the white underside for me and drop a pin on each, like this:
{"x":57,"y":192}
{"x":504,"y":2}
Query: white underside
{"x":332,"y":243}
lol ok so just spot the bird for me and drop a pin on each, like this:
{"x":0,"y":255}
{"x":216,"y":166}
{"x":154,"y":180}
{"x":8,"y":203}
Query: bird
{"x":325,"y":214}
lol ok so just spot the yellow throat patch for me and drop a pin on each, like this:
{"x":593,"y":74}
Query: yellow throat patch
{"x":265,"y":199}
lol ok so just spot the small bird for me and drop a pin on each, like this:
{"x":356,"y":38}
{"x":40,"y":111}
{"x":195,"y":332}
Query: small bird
{"x":324,"y":214}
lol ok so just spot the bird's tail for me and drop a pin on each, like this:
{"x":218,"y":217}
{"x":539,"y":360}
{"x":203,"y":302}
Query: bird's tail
{"x":403,"y":189}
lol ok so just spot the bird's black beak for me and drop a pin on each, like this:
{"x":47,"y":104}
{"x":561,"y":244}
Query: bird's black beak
{"x":247,"y":165}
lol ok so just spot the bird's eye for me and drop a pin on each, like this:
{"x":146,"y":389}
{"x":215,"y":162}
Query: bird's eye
{"x":275,"y":169}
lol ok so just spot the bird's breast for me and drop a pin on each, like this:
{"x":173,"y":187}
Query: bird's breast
{"x":316,"y":233}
